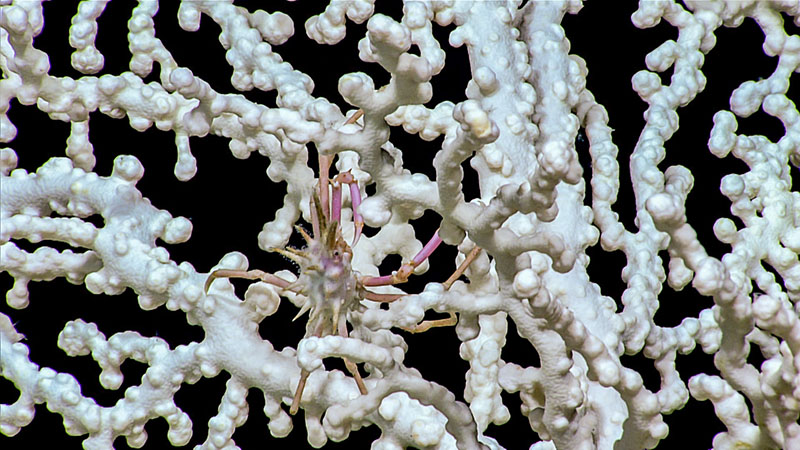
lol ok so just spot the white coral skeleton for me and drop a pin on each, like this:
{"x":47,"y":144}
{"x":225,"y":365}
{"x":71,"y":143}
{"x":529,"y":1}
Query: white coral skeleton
{"x":523,"y":242}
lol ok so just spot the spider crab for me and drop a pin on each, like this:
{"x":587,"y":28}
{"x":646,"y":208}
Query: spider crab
{"x":326,"y":279}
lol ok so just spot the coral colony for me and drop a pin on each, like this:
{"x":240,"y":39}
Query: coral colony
{"x":522,"y":334}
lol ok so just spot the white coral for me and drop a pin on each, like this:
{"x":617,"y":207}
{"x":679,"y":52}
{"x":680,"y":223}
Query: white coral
{"x":520,"y":127}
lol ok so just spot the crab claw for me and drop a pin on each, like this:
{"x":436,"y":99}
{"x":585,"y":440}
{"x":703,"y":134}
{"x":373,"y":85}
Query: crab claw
{"x":358,"y":221}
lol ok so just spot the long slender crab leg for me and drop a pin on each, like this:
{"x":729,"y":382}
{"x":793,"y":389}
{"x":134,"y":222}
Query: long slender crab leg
{"x":336,"y":201}
{"x":462,"y":267}
{"x":249,"y":275}
{"x":426,"y":325}
{"x":352,"y":119}
{"x":325,"y":162}
{"x":402,"y":274}
{"x":351,"y":367}
{"x":355,"y":198}
{"x":355,"y":194}
{"x":301,"y":385}
{"x":381,"y":298}
{"x":336,"y":195}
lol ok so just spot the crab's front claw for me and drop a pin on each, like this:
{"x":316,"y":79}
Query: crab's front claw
{"x":358,"y":221}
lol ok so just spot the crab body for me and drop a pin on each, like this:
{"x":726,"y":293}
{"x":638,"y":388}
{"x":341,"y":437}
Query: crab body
{"x":327,"y":279}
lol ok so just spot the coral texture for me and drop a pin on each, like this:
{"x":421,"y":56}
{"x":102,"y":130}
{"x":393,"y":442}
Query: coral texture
{"x":504,"y":150}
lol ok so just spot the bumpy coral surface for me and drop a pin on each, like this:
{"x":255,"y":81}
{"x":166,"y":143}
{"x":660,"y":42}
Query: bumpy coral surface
{"x":624,"y":175}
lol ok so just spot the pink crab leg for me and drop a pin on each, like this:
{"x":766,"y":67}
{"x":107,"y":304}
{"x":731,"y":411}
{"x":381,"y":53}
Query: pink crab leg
{"x":325,"y":162}
{"x":383,"y":280}
{"x":426,"y":325}
{"x":336,"y":201}
{"x":402,"y":274}
{"x":381,"y":298}
{"x":355,"y":198}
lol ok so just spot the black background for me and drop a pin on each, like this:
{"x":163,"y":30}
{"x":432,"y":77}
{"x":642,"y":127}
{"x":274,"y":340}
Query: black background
{"x":229,"y":200}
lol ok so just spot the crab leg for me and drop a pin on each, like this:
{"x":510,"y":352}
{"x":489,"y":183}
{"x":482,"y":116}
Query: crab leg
{"x":336,"y":202}
{"x":351,"y":367}
{"x":402,"y":274}
{"x":381,"y":298}
{"x":357,"y":115}
{"x":426,"y":325}
{"x":301,"y":385}
{"x":325,"y":162}
{"x":249,"y":275}
{"x":336,"y":198}
{"x":355,"y":198}
{"x":355,"y":194}
{"x":462,"y":267}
